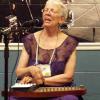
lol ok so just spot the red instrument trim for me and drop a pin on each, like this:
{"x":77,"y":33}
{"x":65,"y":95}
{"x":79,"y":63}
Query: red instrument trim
{"x":48,"y":92}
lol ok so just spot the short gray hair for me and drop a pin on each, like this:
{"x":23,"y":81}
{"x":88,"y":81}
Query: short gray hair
{"x":63,"y":7}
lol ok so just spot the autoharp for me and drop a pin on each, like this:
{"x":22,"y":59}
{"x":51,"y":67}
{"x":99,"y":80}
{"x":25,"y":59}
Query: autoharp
{"x":42,"y":92}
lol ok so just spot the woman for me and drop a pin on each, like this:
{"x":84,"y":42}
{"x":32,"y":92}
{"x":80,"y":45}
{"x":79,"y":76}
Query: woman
{"x":49,"y":56}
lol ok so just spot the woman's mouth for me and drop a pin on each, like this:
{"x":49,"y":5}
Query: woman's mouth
{"x":47,"y":20}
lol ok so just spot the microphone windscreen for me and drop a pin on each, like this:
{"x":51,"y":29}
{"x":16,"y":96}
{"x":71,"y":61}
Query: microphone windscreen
{"x":34,"y":22}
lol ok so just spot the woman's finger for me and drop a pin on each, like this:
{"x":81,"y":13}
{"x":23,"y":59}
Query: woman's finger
{"x":26,"y":80}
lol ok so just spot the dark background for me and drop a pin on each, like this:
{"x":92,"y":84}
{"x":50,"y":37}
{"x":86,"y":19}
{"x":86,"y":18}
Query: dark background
{"x":22,"y":13}
{"x":21,"y":9}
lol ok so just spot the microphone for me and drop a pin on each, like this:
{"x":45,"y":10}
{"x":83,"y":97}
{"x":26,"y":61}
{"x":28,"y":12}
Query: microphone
{"x":34,"y":22}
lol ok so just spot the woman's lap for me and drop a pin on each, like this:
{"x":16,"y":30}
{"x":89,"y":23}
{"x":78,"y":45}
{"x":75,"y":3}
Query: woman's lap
{"x":66,"y":97}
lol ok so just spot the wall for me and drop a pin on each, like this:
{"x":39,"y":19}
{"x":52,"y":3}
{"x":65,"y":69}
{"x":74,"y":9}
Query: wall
{"x":87,"y":17}
{"x":87,"y":71}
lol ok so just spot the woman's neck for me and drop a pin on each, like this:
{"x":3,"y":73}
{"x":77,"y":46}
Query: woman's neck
{"x":51,"y":32}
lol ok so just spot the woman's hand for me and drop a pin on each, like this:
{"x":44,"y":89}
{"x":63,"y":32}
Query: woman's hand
{"x":26,"y":80}
{"x":37,"y":75}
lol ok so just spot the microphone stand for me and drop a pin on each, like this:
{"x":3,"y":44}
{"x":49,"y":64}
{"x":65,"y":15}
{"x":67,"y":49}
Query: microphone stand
{"x":6,"y":56}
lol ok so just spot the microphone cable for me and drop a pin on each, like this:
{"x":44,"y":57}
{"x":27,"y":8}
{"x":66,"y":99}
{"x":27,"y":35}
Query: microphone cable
{"x":29,"y":10}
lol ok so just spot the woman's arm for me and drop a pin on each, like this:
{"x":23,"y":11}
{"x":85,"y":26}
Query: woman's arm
{"x":68,"y":74}
{"x":22,"y":68}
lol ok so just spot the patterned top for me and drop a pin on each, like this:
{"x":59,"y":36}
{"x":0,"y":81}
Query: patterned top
{"x":60,"y":57}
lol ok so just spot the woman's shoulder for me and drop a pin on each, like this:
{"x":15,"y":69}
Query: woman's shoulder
{"x":67,"y":37}
{"x":72,"y":39}
{"x":31,"y":36}
{"x":30,"y":41}
{"x":37,"y":34}
{"x":69,"y":40}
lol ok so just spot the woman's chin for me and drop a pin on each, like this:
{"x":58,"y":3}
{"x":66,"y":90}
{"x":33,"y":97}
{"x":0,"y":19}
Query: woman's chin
{"x":47,"y":25}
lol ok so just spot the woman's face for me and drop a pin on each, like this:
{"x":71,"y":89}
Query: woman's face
{"x":51,"y":15}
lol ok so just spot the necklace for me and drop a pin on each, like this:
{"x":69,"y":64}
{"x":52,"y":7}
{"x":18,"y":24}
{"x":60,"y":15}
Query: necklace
{"x":37,"y":50}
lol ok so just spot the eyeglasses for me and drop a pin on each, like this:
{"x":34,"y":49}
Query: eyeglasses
{"x":52,"y":11}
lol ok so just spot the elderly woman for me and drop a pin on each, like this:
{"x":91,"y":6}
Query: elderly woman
{"x":48,"y":57}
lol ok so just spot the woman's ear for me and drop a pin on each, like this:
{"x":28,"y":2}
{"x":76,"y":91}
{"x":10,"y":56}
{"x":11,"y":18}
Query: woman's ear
{"x":62,"y":20}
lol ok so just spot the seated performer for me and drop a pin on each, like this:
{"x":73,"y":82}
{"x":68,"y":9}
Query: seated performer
{"x":48,"y":57}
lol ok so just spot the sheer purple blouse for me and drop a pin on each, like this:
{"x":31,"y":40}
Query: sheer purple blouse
{"x":60,"y":57}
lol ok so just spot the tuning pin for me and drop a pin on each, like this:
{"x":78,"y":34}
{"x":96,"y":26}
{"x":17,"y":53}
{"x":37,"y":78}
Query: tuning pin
{"x":81,"y":86}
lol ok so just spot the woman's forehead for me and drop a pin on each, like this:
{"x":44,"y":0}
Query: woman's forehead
{"x":52,"y":6}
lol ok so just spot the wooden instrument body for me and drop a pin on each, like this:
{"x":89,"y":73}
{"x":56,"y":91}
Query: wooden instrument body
{"x":43,"y":92}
